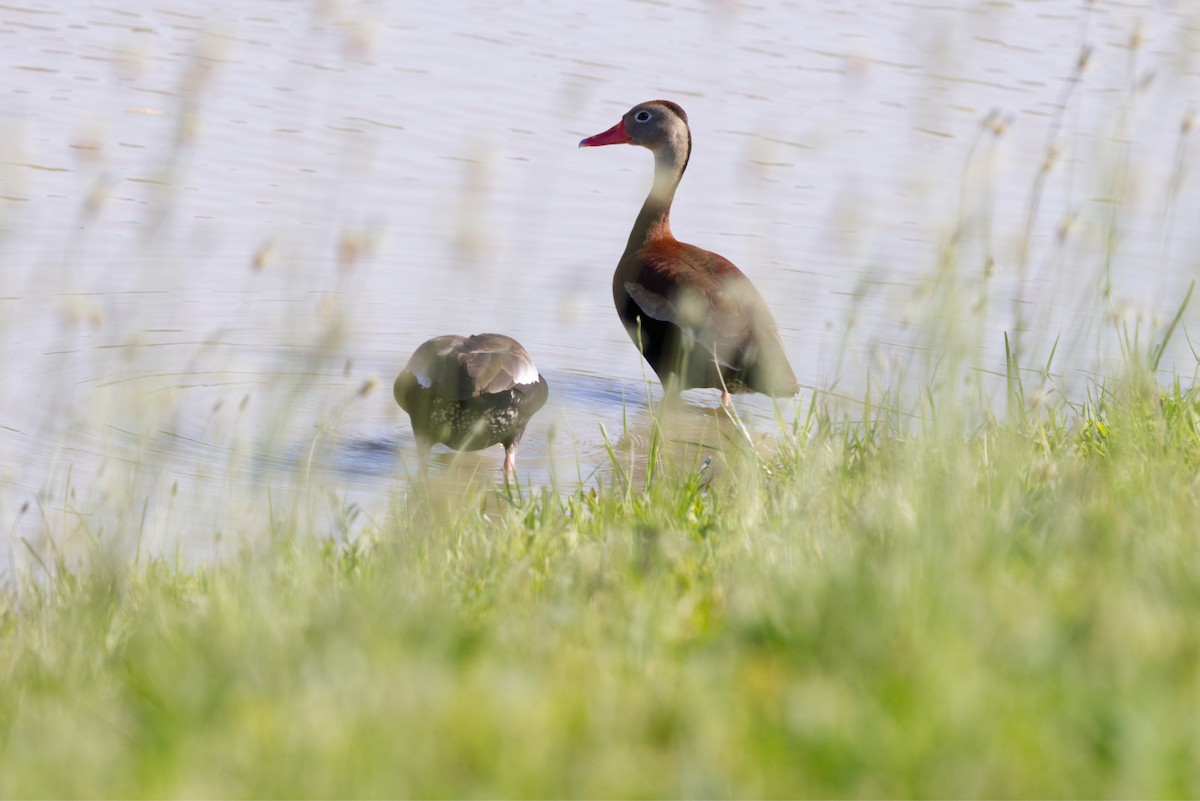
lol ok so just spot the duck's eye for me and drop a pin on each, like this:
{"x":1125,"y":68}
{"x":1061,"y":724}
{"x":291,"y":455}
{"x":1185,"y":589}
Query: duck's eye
{"x":642,"y":116}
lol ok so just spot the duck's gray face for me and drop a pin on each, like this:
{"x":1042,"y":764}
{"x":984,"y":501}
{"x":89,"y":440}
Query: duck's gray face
{"x":656,"y":125}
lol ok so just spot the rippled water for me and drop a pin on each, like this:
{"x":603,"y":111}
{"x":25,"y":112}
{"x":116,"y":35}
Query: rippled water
{"x":223,"y":230}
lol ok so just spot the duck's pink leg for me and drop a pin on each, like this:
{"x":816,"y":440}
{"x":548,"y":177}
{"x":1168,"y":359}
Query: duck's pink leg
{"x":510,"y":461}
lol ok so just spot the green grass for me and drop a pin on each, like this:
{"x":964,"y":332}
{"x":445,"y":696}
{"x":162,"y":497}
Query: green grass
{"x":872,"y":609}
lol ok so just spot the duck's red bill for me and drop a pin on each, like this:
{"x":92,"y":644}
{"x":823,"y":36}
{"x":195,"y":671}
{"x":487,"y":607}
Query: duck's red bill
{"x":616,"y":135}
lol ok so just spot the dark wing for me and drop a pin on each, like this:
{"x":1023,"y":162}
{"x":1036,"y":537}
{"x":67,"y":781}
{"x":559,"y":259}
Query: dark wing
{"x":437,"y":366}
{"x":496,"y":363}
{"x":460,"y":368}
{"x":709,"y":299}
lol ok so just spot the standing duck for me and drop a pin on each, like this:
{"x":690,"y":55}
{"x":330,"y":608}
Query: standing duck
{"x":695,"y":317}
{"x":470,"y":393}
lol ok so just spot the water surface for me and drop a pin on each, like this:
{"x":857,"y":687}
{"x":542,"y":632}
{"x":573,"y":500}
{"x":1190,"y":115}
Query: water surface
{"x":223,"y":230}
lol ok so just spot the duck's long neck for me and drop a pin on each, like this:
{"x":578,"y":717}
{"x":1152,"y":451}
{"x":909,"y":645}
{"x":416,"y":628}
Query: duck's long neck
{"x":654,"y":220}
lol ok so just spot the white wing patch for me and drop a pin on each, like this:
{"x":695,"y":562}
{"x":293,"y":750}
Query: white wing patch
{"x":526,"y":373}
{"x":423,"y":378}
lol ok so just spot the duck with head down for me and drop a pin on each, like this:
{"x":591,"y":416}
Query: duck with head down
{"x":470,"y":393}
{"x":695,"y":317}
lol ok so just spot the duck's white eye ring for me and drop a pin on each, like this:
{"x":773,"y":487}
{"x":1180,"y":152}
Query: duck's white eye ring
{"x":642,"y":116}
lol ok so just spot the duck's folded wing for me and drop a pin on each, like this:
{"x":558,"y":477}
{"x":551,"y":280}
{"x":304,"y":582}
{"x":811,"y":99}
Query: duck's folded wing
{"x":496,"y":363}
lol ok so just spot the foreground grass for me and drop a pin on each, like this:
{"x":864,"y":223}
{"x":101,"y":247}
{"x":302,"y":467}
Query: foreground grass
{"x":1010,"y":611}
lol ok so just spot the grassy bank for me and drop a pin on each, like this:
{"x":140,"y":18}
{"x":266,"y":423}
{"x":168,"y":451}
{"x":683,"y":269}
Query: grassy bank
{"x":1009,"y":609}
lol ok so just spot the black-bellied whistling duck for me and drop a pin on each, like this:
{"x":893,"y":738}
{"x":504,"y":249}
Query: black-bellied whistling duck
{"x":470,"y":393}
{"x":695,"y":317}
